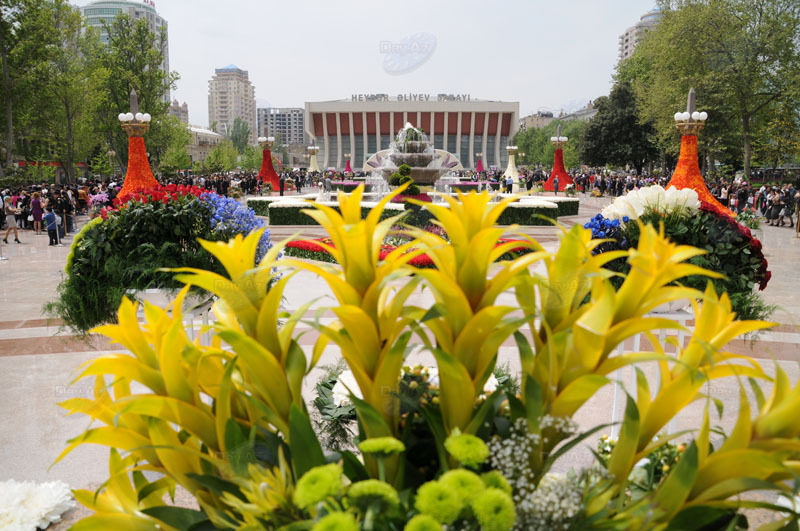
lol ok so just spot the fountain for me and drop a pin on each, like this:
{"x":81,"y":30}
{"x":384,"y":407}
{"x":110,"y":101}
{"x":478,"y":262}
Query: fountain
{"x":412,"y":147}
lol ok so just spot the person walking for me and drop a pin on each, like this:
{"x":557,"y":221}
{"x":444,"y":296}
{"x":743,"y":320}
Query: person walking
{"x":10,"y":213}
{"x":36,"y":212}
{"x":555,"y":186}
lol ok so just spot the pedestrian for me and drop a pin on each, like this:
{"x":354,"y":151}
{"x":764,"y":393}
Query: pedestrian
{"x":10,"y":213}
{"x":36,"y":212}
{"x":282,"y":182}
{"x":51,"y":223}
{"x":555,"y":185}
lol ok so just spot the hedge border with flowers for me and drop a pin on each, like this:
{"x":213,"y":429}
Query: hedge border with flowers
{"x":290,"y":213}
{"x":126,"y":246}
{"x":528,"y":214}
{"x":311,"y":250}
{"x":567,"y":206}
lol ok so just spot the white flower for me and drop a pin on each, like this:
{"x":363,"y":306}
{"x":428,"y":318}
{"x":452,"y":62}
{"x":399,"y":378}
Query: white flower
{"x":491,"y":385}
{"x":25,"y":506}
{"x":345,"y":384}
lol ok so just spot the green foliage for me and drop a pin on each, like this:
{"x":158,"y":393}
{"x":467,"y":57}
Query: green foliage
{"x":741,"y":56}
{"x":395,"y":179}
{"x":222,"y":158}
{"x":293,"y":215}
{"x":261,"y":208}
{"x":615,"y":135}
{"x":404,"y":170}
{"x":125,"y":252}
{"x":167,"y":142}
{"x":100,"y":165}
{"x":240,"y":134}
{"x":535,"y":143}
{"x":412,"y":190}
{"x":251,"y":158}
{"x":527,"y":215}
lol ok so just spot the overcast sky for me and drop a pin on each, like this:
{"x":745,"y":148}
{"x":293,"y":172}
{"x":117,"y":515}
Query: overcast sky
{"x":546,"y":54}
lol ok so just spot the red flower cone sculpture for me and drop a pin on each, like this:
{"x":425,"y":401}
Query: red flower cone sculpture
{"x":139,"y":176}
{"x":267,"y":173}
{"x":687,"y":174}
{"x":479,"y":167}
{"x":347,"y":168}
{"x":558,"y":171}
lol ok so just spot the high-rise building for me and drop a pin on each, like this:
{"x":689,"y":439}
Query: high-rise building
{"x":231,"y":96}
{"x":634,"y":34}
{"x":536,"y":121}
{"x":288,"y":122}
{"x":104,"y":11}
{"x":181,"y":112}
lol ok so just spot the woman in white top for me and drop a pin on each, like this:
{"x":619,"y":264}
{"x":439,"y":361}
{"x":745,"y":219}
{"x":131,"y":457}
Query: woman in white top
{"x":9,"y":212}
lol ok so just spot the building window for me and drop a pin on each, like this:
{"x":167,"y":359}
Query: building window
{"x":358,"y":159}
{"x":438,"y":142}
{"x":465,"y":151}
{"x":385,"y":141}
{"x":451,"y":143}
{"x":371,"y":144}
{"x":489,"y":159}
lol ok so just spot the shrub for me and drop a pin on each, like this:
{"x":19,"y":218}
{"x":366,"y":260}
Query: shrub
{"x":396,"y":179}
{"x":528,"y":214}
{"x":125,"y":248}
{"x":413,"y":189}
{"x":290,"y":213}
{"x":404,"y":170}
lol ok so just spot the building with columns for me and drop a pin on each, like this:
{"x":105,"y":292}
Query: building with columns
{"x":367,"y":123}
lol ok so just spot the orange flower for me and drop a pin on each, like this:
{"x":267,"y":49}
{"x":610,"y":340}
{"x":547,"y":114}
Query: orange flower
{"x":687,"y":174}
{"x":139,"y":176}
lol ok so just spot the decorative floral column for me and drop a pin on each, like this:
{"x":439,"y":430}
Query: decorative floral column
{"x":511,"y":170}
{"x":139,"y":175}
{"x":267,"y":173}
{"x":479,"y":165}
{"x":559,"y":171}
{"x":347,"y":168}
{"x":313,"y":165}
{"x":687,"y":172}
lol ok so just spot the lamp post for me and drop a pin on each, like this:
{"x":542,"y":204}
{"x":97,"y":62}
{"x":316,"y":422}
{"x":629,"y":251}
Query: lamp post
{"x":139,"y":175}
{"x":313,"y":166}
{"x":267,"y":172}
{"x":347,"y":168}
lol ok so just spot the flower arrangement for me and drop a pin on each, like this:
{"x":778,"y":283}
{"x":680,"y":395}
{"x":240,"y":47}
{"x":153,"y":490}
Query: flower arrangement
{"x":98,"y":199}
{"x":123,"y":249}
{"x":226,"y":419}
{"x":732,"y":249}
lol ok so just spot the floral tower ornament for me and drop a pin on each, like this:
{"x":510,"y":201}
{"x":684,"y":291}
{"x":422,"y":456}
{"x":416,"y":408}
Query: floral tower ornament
{"x":267,"y":173}
{"x":687,"y":172}
{"x":559,"y":171}
{"x":313,"y":165}
{"x":139,"y":175}
{"x":511,"y":170}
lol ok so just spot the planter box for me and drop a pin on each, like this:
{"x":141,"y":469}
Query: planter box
{"x":531,"y":213}
{"x":567,"y":206}
{"x":290,"y":212}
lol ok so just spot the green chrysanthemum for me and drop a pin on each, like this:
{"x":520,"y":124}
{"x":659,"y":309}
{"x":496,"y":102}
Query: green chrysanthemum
{"x":336,"y":522}
{"x":423,"y":522}
{"x":382,"y":445}
{"x":467,"y":484}
{"x":317,"y":484}
{"x":365,"y":493}
{"x":438,"y":501}
{"x":495,"y":479}
{"x":494,"y":510}
{"x":468,"y":450}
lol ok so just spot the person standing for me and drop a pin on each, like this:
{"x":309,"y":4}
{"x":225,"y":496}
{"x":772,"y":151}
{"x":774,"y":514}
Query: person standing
{"x":52,"y":226}
{"x":10,"y":212}
{"x":555,"y":185}
{"x":282,"y":182}
{"x":36,"y":212}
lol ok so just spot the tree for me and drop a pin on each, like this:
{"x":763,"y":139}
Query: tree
{"x":251,"y":158}
{"x":222,"y":158}
{"x":133,"y":58}
{"x":538,"y":149}
{"x":615,"y":135}
{"x":780,"y":143}
{"x":167,"y":133}
{"x":240,"y":134}
{"x":741,"y":56}
{"x":100,"y":165}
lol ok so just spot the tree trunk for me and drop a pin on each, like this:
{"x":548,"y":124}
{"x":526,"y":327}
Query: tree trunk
{"x":70,"y":170}
{"x":9,"y":108}
{"x":747,"y":147}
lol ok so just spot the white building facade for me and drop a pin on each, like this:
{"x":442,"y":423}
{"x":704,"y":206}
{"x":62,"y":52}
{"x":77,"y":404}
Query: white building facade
{"x":367,"y":123}
{"x":634,"y":34}
{"x":231,"y":96}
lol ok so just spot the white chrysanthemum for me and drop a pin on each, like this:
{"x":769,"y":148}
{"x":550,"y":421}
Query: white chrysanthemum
{"x":491,"y":385}
{"x":612,"y":211}
{"x":341,"y":394}
{"x":26,"y":506}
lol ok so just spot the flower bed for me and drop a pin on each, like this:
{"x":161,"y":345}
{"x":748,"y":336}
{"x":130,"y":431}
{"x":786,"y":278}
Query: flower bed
{"x":260,"y":205}
{"x":125,"y":248}
{"x":730,"y":247}
{"x":311,"y":250}
{"x":345,"y":186}
{"x":290,"y":212}
{"x":539,"y":213}
{"x":567,"y":206}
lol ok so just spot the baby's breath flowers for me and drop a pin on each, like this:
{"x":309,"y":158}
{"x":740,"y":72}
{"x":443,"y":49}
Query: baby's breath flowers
{"x":336,"y":522}
{"x":317,"y":484}
{"x":438,"y":501}
{"x":494,"y":510}
{"x":467,"y":449}
{"x":423,"y":522}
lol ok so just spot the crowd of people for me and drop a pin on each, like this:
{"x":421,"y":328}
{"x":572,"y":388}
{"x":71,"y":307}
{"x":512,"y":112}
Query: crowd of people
{"x":776,"y":204}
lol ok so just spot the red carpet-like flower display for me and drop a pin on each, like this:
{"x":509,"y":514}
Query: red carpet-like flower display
{"x":558,"y":171}
{"x":267,"y":173}
{"x":687,"y":174}
{"x":139,"y":176}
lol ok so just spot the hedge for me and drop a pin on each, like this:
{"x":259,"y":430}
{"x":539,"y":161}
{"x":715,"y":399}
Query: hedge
{"x":289,"y":213}
{"x":567,"y":206}
{"x":528,"y":214}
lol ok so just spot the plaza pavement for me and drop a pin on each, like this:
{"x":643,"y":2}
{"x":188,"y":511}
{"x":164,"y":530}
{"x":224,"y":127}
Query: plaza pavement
{"x":38,"y":361}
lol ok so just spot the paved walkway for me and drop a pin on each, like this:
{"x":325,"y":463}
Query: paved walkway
{"x":38,"y":362}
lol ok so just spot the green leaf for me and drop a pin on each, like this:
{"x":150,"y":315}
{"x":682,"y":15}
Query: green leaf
{"x":217,"y":485}
{"x":533,"y":403}
{"x":676,"y":487}
{"x":239,"y":450}
{"x":304,"y":445}
{"x":353,"y":468}
{"x":177,"y":517}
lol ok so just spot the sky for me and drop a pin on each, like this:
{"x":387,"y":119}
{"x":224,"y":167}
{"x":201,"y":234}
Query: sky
{"x":545,"y":54}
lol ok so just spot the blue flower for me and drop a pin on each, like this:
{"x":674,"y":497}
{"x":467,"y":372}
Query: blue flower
{"x":625,"y":219}
{"x":615,"y":223}
{"x":598,"y":217}
{"x":601,"y":234}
